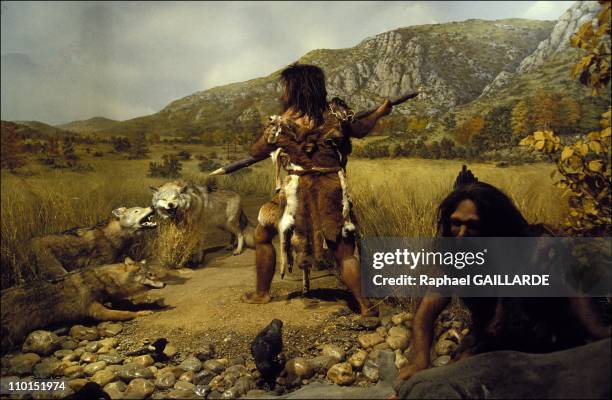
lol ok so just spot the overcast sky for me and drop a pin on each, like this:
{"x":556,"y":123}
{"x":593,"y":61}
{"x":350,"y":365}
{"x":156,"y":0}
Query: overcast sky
{"x":63,"y":61}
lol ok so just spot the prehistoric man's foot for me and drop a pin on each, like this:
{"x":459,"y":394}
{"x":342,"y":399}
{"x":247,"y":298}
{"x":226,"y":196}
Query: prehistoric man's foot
{"x":369,"y":311}
{"x":254,"y":298}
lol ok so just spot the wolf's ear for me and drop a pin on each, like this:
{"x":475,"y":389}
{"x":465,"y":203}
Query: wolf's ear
{"x":118,"y":212}
{"x":154,"y":188}
{"x":128,"y":261}
{"x":182,"y":187}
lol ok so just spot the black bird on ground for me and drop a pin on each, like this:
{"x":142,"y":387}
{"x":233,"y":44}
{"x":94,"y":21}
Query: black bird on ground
{"x":90,"y":391}
{"x":266,"y":347}
{"x":155,"y":350}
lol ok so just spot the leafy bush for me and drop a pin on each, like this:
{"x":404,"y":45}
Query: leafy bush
{"x":208,"y":165}
{"x":184,"y":155}
{"x":170,"y":167}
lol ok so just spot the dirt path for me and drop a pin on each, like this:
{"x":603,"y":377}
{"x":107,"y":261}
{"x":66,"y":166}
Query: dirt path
{"x":206,"y":307}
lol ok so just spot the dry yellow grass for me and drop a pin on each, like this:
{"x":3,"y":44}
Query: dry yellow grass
{"x":392,"y":197}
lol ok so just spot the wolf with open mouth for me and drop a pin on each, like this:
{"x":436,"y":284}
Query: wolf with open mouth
{"x":105,"y":243}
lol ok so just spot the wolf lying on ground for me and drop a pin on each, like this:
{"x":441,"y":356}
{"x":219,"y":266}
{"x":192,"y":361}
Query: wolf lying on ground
{"x":72,"y":297}
{"x":78,"y":248}
{"x":202,"y":207}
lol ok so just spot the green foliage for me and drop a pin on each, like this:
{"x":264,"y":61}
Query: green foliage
{"x":138,"y":149}
{"x":10,"y":149}
{"x":170,"y":167}
{"x":121,"y":144}
{"x":207,"y":165}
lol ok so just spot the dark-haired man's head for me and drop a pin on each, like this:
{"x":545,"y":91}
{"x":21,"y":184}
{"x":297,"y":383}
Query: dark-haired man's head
{"x":304,"y":90}
{"x":480,"y":209}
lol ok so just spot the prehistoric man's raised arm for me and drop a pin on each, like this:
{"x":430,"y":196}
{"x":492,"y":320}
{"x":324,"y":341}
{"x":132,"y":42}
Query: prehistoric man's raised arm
{"x":261,"y":148}
{"x":361,"y":127}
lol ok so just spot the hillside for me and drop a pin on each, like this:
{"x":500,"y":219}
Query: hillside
{"x":454,"y":62}
{"x":37,"y":130}
{"x":88,"y":126}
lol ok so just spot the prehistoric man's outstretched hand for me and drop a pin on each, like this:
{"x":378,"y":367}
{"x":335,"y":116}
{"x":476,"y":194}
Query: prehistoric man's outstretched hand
{"x":385,"y":108}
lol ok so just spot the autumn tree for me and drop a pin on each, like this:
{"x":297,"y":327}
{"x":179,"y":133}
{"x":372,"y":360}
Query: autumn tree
{"x":470,"y":128}
{"x":519,"y":118}
{"x":569,"y":113}
{"x":544,"y":111}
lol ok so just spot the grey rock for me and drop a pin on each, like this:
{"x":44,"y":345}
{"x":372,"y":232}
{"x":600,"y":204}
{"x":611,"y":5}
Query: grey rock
{"x":333,"y":350}
{"x":516,"y":375}
{"x":80,"y":332}
{"x":399,"y":331}
{"x":145,"y":360}
{"x":22,"y":364}
{"x":191,"y":363}
{"x":104,"y":377}
{"x":139,"y":388}
{"x":370,"y":340}
{"x":131,"y":371}
{"x":165,"y":380}
{"x":115,"y":389}
{"x":92,"y":347}
{"x":110,"y":358}
{"x":397,"y":342}
{"x":182,"y":385}
{"x":63,"y":353}
{"x":214,"y":366}
{"x":341,"y":374}
{"x":322,"y":363}
{"x":109,"y":329}
{"x":94,"y":367}
{"x":41,"y":342}
{"x":73,"y":371}
{"x":244,"y":384}
{"x":370,"y":370}
{"x":299,"y":367}
{"x":46,"y":368}
{"x":369,"y":322}
{"x":203,"y":377}
{"x":69,"y":345}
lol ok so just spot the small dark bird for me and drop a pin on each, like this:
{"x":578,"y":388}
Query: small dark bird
{"x":265,"y":348}
{"x":90,"y":391}
{"x":465,"y":177}
{"x":155,"y":350}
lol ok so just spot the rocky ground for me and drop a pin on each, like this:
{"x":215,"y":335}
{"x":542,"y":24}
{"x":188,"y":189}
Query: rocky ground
{"x":343,"y":349}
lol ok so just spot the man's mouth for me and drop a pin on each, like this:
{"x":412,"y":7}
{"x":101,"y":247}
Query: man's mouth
{"x":153,"y":284}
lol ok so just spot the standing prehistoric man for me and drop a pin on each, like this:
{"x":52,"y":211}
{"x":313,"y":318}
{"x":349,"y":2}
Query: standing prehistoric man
{"x":312,"y":208}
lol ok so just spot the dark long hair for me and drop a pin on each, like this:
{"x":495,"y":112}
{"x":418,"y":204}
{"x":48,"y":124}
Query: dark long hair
{"x":305,"y":91}
{"x":499,"y":217}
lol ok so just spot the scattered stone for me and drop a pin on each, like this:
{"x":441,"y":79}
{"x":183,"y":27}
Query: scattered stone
{"x":131,"y":371}
{"x":61,"y":354}
{"x":46,"y":368}
{"x":236,"y":370}
{"x":69,"y":345}
{"x":370,"y":340}
{"x":206,"y":353}
{"x":203,"y":377}
{"x":73,"y":371}
{"x":80,"y":332}
{"x":370,"y":370}
{"x":369,"y":322}
{"x":400,"y":318}
{"x":176,"y":371}
{"x":214,"y":366}
{"x":110,"y":358}
{"x":182,"y":385}
{"x":323,"y":363}
{"x":358,"y":359}
{"x":444,"y":347}
{"x":145,"y":360}
{"x":92,"y":347}
{"x":299,"y":367}
{"x":191,"y":363}
{"x":179,"y":394}
{"x":115,"y":389}
{"x":77,"y":384}
{"x":104,"y":377}
{"x":399,"y":331}
{"x":187,"y":376}
{"x":41,"y":342}
{"x":170,"y":350}
{"x":109,"y":329}
{"x":230,"y":393}
{"x":79,"y":351}
{"x":385,"y":320}
{"x":109,"y":342}
{"x":88,"y":357}
{"x":441,"y":361}
{"x":237,"y":361}
{"x":333,"y":351}
{"x":22,"y":364}
{"x":256,"y":393}
{"x":92,"y":368}
{"x":397,"y":342}
{"x":165,"y":380}
{"x":341,"y":374}
{"x":382,"y":331}
{"x":381,"y":346}
{"x":244,"y":384}
{"x":139,"y":388}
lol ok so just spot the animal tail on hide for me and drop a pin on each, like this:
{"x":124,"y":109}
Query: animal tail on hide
{"x":248,"y":230}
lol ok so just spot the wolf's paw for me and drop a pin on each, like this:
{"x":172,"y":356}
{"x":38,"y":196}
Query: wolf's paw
{"x":144,"y":313}
{"x":237,"y":252}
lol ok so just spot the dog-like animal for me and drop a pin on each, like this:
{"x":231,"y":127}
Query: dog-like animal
{"x":77,"y":248}
{"x":203,"y":207}
{"x":73,"y":297}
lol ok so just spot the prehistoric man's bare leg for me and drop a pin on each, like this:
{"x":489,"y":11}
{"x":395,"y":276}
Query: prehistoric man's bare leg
{"x":265,"y":263}
{"x":350,"y":273}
